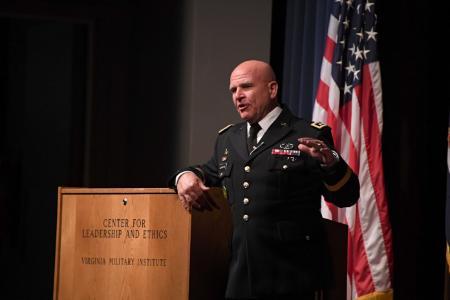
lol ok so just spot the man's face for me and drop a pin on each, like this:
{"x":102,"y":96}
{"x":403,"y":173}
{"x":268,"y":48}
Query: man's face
{"x":253,"y":93}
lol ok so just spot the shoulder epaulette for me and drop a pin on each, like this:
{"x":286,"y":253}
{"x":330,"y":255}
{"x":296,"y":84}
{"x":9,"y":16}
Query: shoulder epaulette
{"x":225,"y":128}
{"x":318,"y":125}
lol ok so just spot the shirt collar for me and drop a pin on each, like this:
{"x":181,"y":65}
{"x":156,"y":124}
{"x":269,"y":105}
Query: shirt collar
{"x":267,"y":120}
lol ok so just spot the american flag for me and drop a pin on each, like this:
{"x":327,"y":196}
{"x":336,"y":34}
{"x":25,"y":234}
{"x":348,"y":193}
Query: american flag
{"x":349,"y":100}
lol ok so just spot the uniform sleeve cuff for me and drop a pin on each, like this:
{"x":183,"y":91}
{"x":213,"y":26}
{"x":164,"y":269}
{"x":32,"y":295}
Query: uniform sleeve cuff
{"x":335,"y":185}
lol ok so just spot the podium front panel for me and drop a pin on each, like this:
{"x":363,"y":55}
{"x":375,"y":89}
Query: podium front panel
{"x":122,"y":244}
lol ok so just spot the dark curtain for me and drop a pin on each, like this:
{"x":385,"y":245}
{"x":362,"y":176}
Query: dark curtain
{"x":297,"y":50}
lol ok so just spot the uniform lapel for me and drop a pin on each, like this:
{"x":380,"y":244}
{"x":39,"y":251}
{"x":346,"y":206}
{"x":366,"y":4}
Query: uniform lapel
{"x":239,"y":140}
{"x":277,"y":131}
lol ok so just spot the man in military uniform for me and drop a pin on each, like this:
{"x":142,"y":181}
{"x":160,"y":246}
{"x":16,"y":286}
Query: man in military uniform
{"x":274,"y":168}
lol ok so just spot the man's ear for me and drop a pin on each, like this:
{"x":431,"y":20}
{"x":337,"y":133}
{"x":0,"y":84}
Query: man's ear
{"x":273,"y":89}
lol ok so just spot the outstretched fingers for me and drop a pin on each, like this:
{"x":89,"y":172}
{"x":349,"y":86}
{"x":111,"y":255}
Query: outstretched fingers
{"x":315,"y":148}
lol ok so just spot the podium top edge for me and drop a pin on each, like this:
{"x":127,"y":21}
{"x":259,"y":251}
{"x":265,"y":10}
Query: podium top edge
{"x":84,"y":190}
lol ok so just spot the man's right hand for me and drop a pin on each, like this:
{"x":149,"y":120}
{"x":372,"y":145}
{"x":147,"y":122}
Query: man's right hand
{"x":191,"y":191}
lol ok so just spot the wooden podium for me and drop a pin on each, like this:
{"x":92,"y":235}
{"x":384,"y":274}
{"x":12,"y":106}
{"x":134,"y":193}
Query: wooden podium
{"x":139,"y":243}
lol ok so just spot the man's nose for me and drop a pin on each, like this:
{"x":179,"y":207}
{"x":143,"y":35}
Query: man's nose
{"x":239,"y":94}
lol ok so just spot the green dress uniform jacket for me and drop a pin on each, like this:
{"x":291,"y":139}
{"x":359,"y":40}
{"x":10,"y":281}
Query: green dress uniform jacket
{"x":278,"y":243}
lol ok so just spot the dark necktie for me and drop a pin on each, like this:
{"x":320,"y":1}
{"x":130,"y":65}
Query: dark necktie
{"x":251,"y":141}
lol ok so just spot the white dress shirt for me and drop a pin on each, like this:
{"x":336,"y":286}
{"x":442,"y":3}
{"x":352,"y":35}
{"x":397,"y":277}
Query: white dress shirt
{"x":265,"y":122}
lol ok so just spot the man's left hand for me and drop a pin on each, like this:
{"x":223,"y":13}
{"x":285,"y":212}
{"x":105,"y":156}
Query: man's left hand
{"x":319,"y":150}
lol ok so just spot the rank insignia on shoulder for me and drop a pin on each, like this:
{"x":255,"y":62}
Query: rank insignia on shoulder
{"x":225,"y":128}
{"x":318,"y":125}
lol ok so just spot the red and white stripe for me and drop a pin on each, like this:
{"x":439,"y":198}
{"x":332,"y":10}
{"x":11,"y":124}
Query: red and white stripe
{"x":357,"y":128}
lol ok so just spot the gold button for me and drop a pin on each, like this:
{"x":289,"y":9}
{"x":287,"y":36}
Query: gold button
{"x":246,"y":201}
{"x":246,"y":185}
{"x":247,"y":169}
{"x":285,"y":167}
{"x":307,"y":237}
{"x":245,"y":218}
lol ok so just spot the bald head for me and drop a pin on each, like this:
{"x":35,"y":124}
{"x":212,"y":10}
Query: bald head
{"x":259,"y":68}
{"x":254,"y":89}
